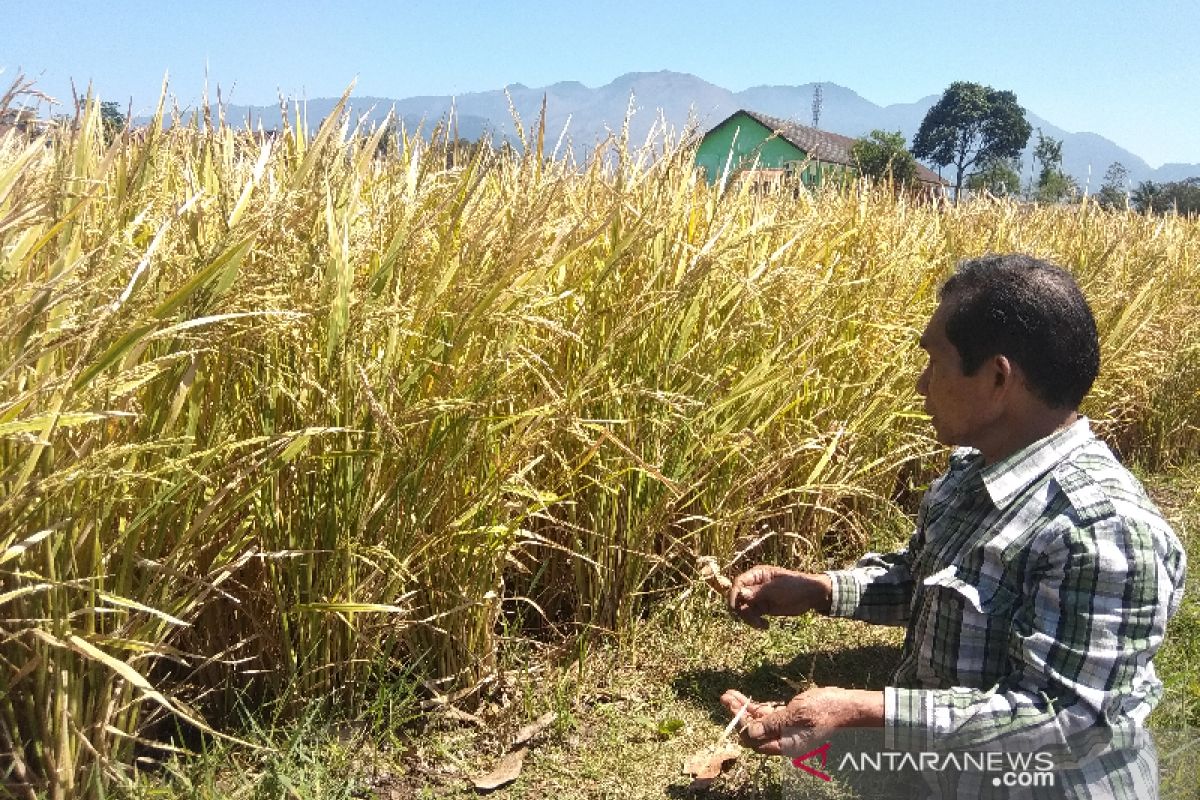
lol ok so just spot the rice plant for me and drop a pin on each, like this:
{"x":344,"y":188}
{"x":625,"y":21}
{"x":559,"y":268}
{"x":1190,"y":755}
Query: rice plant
{"x":276,"y":408}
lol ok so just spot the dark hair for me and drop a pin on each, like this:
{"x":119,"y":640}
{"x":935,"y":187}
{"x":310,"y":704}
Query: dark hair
{"x":1030,"y":311}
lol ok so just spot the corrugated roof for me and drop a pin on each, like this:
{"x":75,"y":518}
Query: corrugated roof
{"x":822,"y":145}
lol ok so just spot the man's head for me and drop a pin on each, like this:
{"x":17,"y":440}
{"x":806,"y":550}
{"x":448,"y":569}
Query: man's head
{"x":1013,"y":334}
{"x":1032,"y":312}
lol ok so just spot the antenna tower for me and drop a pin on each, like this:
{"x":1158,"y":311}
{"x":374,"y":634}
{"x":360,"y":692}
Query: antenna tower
{"x":816,"y":107}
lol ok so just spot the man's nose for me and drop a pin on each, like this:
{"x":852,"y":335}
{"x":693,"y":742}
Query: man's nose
{"x":923,"y":382}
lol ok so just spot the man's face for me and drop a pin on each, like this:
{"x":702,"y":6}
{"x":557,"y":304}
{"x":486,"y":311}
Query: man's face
{"x":962,"y":406}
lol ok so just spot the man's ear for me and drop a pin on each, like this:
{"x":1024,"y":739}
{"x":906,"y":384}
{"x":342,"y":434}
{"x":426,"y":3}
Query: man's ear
{"x":1004,"y":371}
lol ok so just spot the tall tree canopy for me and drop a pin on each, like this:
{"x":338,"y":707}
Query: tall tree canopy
{"x":1114,"y":192}
{"x":1144,"y":195}
{"x":997,"y":176}
{"x":972,"y":125}
{"x":1053,"y":184}
{"x":111,"y":119}
{"x":882,"y":155}
{"x":1179,"y":197}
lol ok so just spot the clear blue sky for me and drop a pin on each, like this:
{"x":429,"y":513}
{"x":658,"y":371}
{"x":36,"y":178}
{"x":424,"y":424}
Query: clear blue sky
{"x":1127,"y":69}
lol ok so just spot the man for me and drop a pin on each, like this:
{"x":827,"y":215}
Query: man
{"x":1040,"y":578}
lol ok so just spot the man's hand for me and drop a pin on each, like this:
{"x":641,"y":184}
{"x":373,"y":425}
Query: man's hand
{"x":806,"y":720}
{"x":778,"y":592}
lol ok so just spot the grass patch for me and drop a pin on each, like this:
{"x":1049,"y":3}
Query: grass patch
{"x":631,"y":711}
{"x":1178,"y":662}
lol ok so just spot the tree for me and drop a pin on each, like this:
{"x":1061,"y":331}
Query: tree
{"x":971,"y":125}
{"x":1144,"y":195}
{"x":1053,"y":184}
{"x":112,"y":121}
{"x":882,"y":155}
{"x":998,"y":176}
{"x":1048,"y":153}
{"x":1056,"y":187}
{"x":1114,"y":192}
{"x":1179,"y":197}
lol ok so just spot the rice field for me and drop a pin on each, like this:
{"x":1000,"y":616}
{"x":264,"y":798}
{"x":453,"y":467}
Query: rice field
{"x":282,"y":414}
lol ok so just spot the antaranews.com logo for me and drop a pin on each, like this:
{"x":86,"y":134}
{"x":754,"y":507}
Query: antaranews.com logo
{"x":1007,"y":769}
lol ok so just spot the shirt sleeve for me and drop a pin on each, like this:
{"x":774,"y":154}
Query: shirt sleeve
{"x":877,"y":589}
{"x":1082,"y":645}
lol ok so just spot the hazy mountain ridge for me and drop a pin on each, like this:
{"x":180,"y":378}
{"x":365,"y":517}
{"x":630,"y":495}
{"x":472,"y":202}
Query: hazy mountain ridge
{"x":682,"y":98}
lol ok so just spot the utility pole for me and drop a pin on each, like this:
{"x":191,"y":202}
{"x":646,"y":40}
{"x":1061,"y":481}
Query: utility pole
{"x":816,"y":107}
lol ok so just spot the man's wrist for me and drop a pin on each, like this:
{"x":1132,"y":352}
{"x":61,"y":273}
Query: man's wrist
{"x":816,"y":591}
{"x":863,"y":708}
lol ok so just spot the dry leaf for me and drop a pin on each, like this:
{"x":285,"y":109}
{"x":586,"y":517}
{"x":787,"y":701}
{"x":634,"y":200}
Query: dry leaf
{"x":450,"y":712}
{"x":710,"y":573}
{"x":705,"y":765}
{"x":507,"y":771}
{"x":534,"y":728}
{"x":509,"y":768}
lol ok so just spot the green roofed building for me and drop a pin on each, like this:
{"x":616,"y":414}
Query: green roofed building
{"x":770,"y":149}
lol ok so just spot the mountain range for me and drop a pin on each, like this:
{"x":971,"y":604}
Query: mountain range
{"x":680,"y":98}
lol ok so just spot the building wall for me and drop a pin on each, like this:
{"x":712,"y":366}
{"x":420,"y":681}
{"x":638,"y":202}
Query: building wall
{"x":752,"y":139}
{"x":815,"y":173}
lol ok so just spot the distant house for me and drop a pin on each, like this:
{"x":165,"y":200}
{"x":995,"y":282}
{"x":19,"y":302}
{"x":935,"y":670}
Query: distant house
{"x":768,"y":150}
{"x":22,"y":120}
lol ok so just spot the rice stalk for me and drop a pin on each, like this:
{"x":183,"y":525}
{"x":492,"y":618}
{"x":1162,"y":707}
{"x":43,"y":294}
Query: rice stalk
{"x":276,"y":409}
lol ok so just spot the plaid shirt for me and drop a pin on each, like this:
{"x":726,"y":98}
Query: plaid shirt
{"x":1036,"y":590}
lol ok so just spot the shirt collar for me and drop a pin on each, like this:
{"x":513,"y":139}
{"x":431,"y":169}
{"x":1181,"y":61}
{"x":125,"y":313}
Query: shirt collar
{"x":1008,"y":476}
